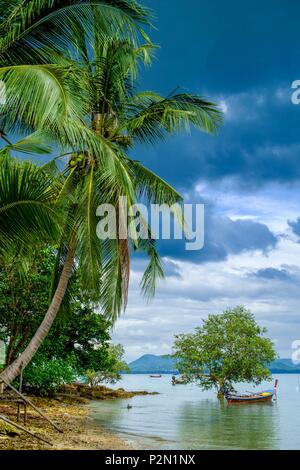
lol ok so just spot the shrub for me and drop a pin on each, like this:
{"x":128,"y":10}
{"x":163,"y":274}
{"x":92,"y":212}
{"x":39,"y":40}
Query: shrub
{"x":43,"y":377}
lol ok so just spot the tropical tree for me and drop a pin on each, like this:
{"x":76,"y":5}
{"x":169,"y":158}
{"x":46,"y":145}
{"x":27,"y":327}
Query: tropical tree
{"x":227,"y":349}
{"x":37,"y":95}
{"x":24,"y":293}
{"x":109,"y":119}
{"x":79,"y":339}
{"x":108,"y":371}
{"x":33,"y":91}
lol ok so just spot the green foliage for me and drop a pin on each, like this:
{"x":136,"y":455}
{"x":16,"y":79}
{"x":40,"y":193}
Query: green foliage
{"x":85,"y":101}
{"x":78,"y":340}
{"x":70,"y":68}
{"x":35,"y":29}
{"x":27,"y":200}
{"x":78,"y":345}
{"x":25,"y":279}
{"x":44,"y":376}
{"x":84,"y":335}
{"x":110,"y":373}
{"x":227,"y":349}
{"x":121,"y":118}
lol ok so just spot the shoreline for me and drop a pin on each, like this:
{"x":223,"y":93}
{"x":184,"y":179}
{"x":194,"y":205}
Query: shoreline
{"x":80,"y":432}
{"x":70,"y":411}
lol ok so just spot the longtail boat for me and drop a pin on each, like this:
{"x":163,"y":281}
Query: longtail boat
{"x":179,"y":381}
{"x":264,"y":396}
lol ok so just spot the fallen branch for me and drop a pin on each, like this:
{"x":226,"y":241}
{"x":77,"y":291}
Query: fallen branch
{"x":31,"y":404}
{"x":21,"y":428}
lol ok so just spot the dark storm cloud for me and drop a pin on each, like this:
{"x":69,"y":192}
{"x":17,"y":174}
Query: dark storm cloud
{"x":259,"y":143}
{"x":228,"y":46}
{"x":223,"y":237}
{"x":244,"y":53}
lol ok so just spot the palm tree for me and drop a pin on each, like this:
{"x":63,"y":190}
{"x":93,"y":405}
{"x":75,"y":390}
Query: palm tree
{"x":111,"y":119}
{"x":38,"y":97}
{"x":118,"y":118}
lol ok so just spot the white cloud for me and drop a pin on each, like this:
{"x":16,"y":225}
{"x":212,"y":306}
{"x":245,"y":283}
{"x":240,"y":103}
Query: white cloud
{"x":272,"y":204}
{"x":182,"y":302}
{"x":223,"y":106}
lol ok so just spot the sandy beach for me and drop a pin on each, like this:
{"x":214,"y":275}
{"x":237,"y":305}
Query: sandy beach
{"x":79,"y":430}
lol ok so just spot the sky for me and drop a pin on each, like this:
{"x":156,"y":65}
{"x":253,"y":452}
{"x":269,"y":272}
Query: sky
{"x":244,"y":57}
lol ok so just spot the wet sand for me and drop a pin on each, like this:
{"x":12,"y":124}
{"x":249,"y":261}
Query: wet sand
{"x":79,"y":429}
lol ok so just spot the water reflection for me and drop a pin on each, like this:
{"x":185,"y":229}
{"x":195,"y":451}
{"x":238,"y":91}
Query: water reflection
{"x":210,"y":424}
{"x":183,"y":417}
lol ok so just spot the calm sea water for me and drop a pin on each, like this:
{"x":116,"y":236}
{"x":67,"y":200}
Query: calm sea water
{"x":184,"y":417}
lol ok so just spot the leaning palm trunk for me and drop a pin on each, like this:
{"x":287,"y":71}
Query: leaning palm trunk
{"x":14,"y":370}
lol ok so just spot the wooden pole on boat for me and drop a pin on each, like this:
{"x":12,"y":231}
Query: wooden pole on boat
{"x":275,"y":389}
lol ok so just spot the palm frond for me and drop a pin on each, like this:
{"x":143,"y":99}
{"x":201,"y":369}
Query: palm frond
{"x":40,"y":97}
{"x":152,"y":187}
{"x":111,"y":281}
{"x":27,"y":204}
{"x":35,"y":143}
{"x":89,"y":250}
{"x":33,"y":27}
{"x":153,"y":117}
{"x":6,"y":8}
{"x":111,"y":79}
{"x":154,"y":271}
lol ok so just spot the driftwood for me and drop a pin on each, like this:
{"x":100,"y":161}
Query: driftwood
{"x":21,"y":428}
{"x":26,"y":400}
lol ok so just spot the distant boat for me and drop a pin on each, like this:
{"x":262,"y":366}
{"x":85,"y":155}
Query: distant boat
{"x":179,"y":381}
{"x":265,"y":396}
{"x":156,"y":376}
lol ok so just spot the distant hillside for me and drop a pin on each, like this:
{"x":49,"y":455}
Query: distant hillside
{"x":151,"y":364}
{"x":284,"y":366}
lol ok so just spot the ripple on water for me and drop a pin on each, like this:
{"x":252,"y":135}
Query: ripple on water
{"x":183,"y":417}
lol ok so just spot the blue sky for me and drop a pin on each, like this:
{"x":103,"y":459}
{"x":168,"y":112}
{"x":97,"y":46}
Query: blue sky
{"x":244,"y":56}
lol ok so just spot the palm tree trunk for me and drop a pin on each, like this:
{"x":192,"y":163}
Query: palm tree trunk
{"x":14,"y":369}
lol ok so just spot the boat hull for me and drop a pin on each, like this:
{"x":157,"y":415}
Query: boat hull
{"x":264,"y":396}
{"x":250,"y":399}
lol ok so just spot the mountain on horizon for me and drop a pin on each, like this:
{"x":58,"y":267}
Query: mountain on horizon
{"x":152,"y":364}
